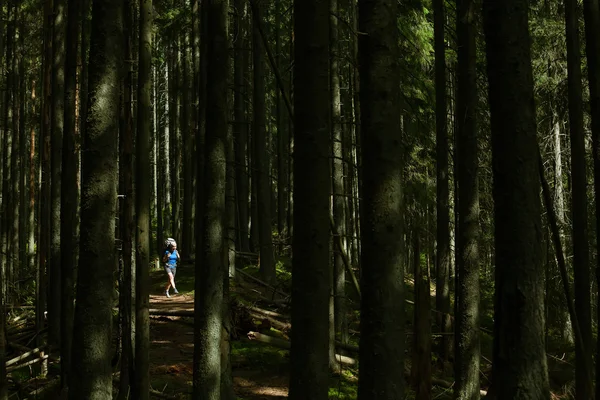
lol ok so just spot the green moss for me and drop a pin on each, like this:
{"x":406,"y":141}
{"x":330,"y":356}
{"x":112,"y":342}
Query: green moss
{"x":344,"y":386}
{"x":245,"y":353}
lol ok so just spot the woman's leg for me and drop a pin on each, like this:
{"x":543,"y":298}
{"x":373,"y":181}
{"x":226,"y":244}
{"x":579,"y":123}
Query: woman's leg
{"x":170,"y":281}
{"x":172,"y":277}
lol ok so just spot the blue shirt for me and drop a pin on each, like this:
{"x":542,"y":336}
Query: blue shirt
{"x":172,"y":260}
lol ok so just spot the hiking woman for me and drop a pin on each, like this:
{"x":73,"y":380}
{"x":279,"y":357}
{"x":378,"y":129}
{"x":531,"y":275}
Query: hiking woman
{"x":170,"y":258}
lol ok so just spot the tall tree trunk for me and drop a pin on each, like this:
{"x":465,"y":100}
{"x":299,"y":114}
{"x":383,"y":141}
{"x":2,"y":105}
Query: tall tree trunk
{"x":69,"y":206}
{"x":176,"y":139}
{"x":467,"y":348}
{"x":442,"y":284}
{"x":92,"y":337}
{"x":142,"y":206}
{"x":15,"y":164}
{"x":3,"y":376}
{"x":162,"y":156}
{"x":186,"y":133}
{"x":519,"y":368}
{"x":44,"y":229}
{"x":581,"y":265}
{"x":5,"y":222}
{"x":591,"y":13}
{"x":127,"y":224}
{"x":209,"y":313}
{"x":23,"y":176}
{"x":309,"y":376}
{"x":382,"y":230}
{"x":282,"y":142}
{"x":339,"y":210}
{"x":32,"y":252}
{"x":241,"y":124}
{"x":58,"y":110}
{"x":261,"y":175}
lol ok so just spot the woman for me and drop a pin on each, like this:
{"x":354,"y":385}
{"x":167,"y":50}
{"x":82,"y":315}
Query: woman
{"x":170,"y":258}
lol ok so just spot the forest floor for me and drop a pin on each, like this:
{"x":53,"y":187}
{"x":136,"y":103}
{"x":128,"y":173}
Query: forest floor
{"x":260,"y":370}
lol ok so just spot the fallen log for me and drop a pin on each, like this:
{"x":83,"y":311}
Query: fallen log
{"x":266,"y":312}
{"x":171,"y":313}
{"x":263,"y":283}
{"x":286,"y":344}
{"x":30,"y":362}
{"x":24,"y":356}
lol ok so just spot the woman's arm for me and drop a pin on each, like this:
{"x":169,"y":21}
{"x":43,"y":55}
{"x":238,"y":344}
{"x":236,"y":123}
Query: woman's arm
{"x":166,"y":256}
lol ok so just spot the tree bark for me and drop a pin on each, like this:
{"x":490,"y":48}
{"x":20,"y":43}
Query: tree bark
{"x":209,"y":310}
{"x":339,"y":209}
{"x":591,"y":13}
{"x":442,"y":298}
{"x":92,"y":338}
{"x":58,"y":110}
{"x":44,"y":229}
{"x":519,"y":368}
{"x":142,"y":205}
{"x":467,"y":337}
{"x":241,"y":125}
{"x":261,"y":175}
{"x":382,"y":228}
{"x":309,"y":377}
{"x":69,"y":204}
{"x":421,"y":366}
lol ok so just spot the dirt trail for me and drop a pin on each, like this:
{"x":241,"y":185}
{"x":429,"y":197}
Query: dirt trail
{"x":172,"y":352}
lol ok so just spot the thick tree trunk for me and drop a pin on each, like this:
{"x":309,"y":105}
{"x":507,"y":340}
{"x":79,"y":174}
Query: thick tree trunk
{"x":442,"y":297}
{"x":581,"y":264}
{"x":92,"y":338}
{"x":127,"y":225}
{"x":212,"y":268}
{"x":591,"y":12}
{"x":519,"y":364}
{"x":467,"y":339}
{"x":142,"y":205}
{"x":69,"y":205}
{"x":382,"y":305}
{"x":58,"y":110}
{"x":309,"y":377}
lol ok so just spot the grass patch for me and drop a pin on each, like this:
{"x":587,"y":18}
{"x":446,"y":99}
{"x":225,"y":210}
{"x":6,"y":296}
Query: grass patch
{"x":245,"y":353}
